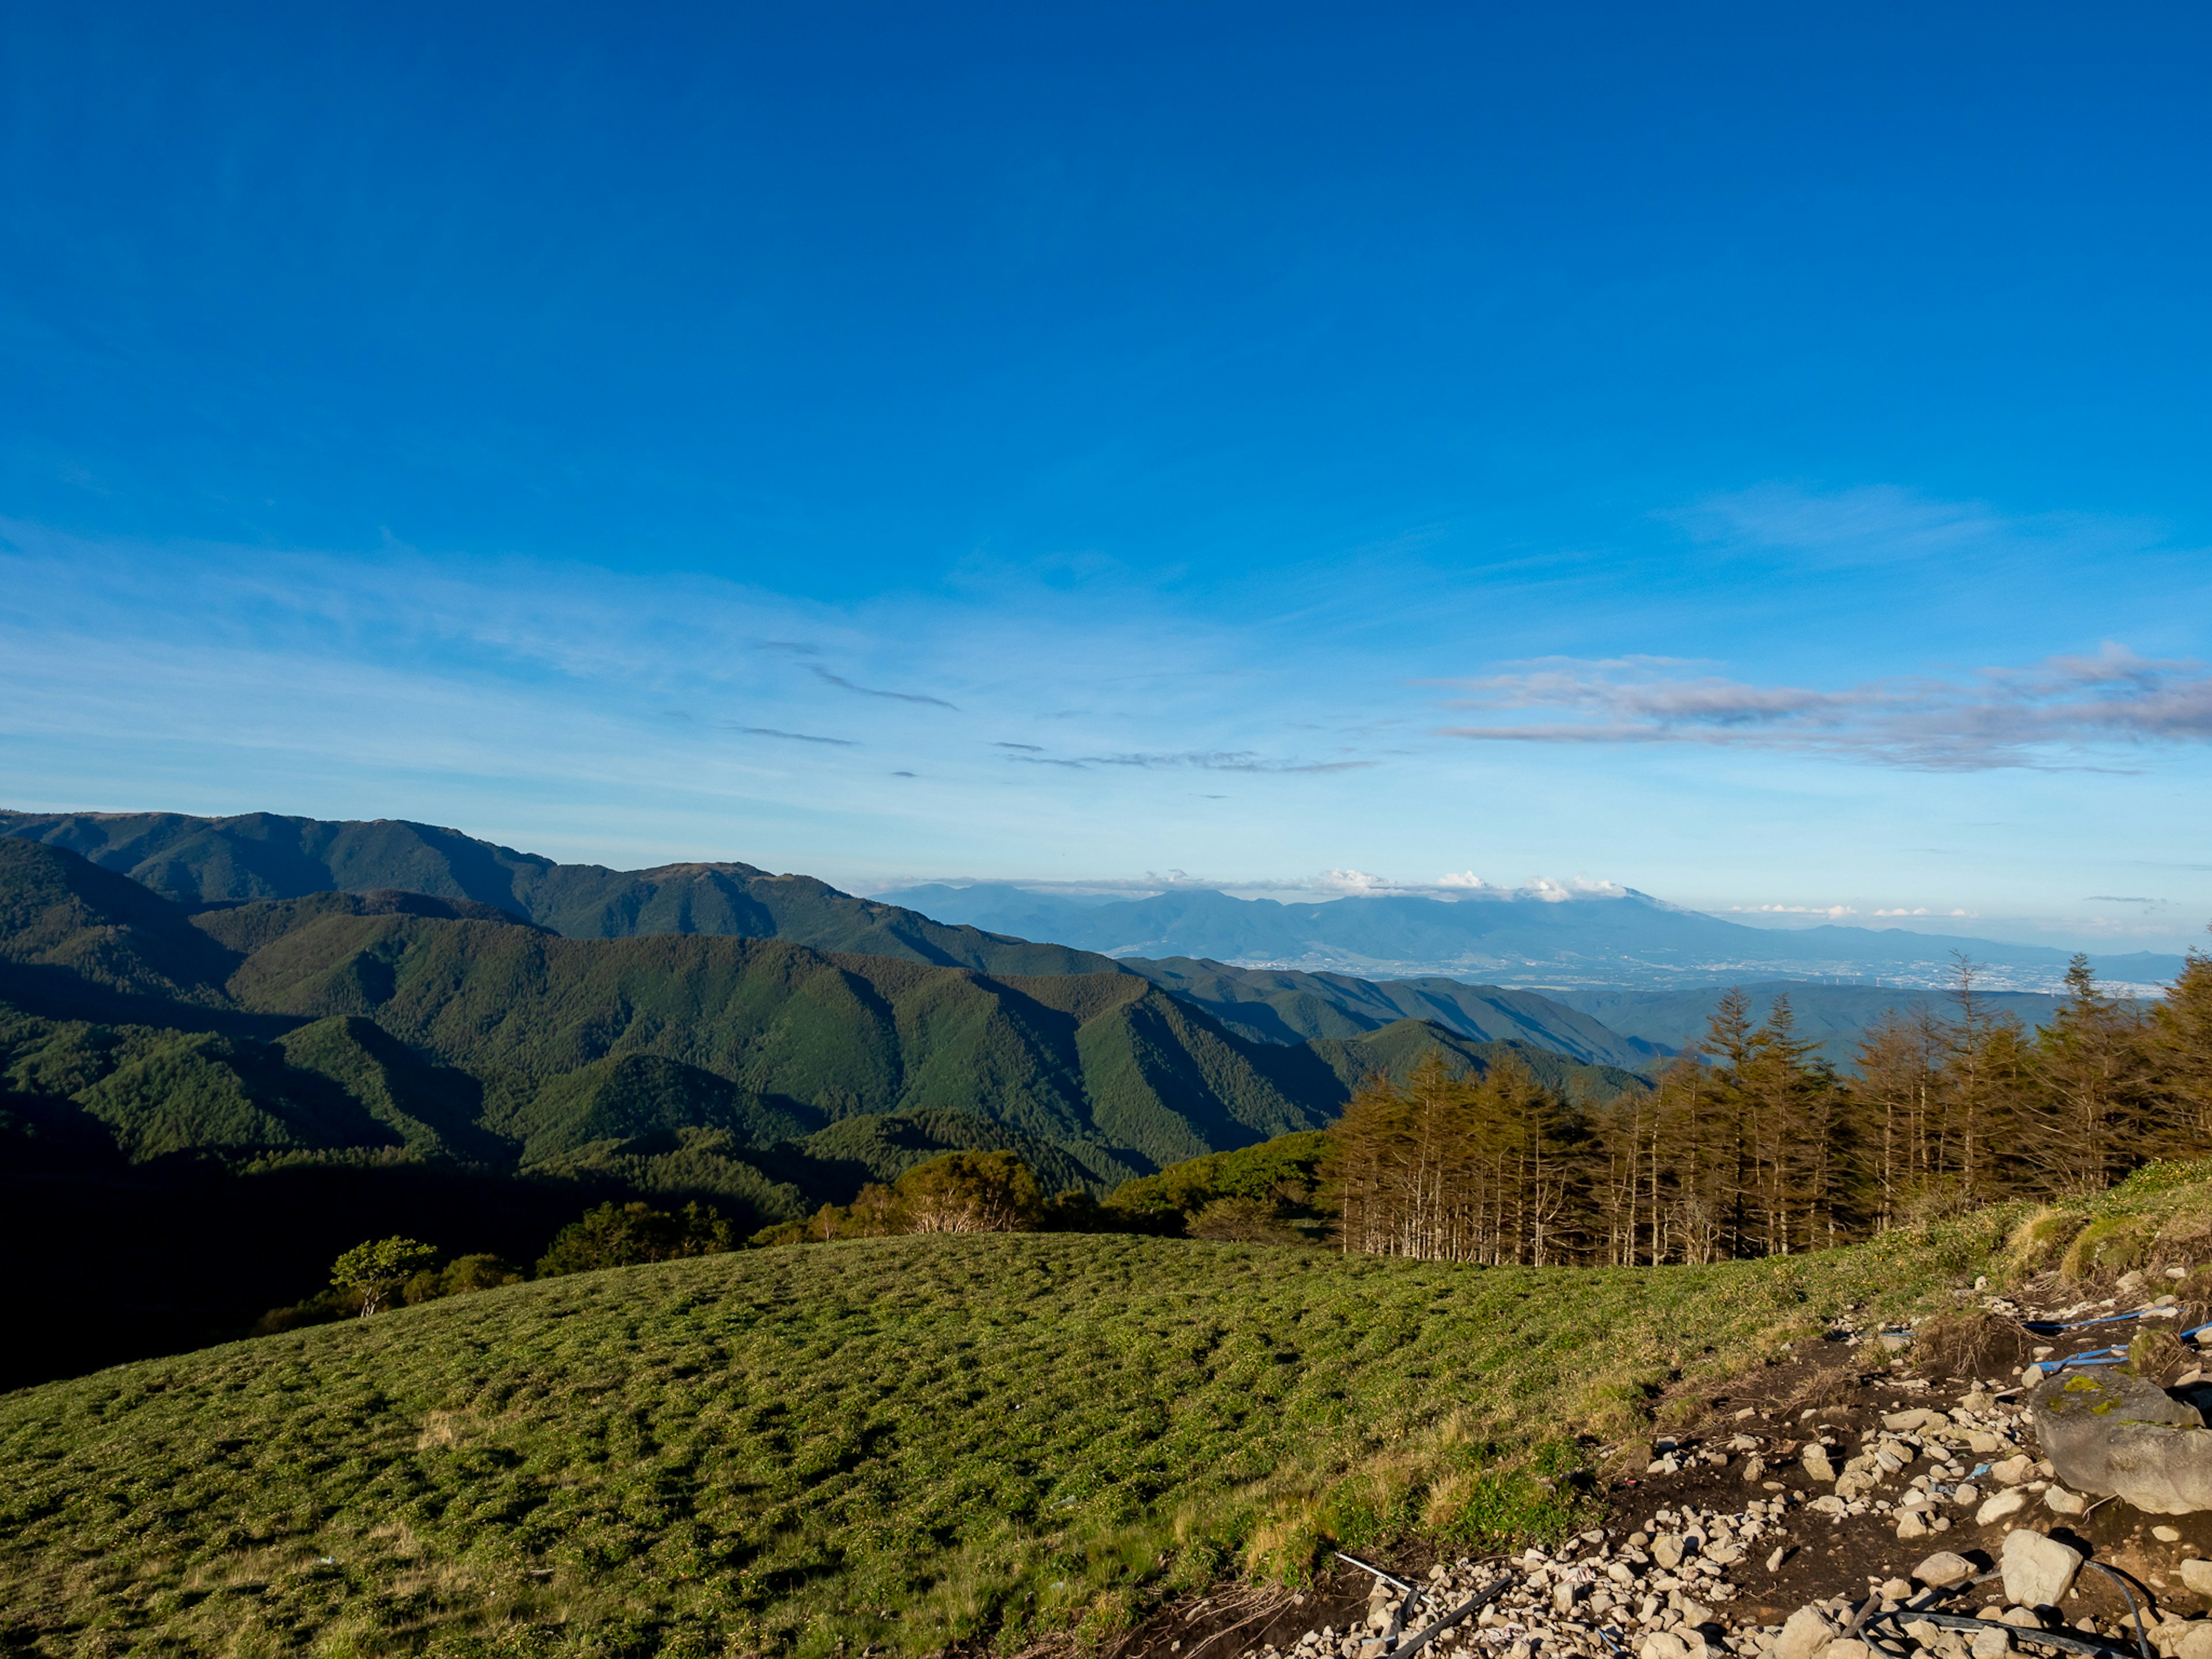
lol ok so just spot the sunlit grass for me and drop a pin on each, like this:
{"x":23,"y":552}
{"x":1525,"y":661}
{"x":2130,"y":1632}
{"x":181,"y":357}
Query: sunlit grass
{"x":896,"y":1441}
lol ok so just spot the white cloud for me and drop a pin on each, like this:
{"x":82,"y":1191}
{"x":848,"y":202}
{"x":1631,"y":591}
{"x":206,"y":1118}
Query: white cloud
{"x":2063,"y":710}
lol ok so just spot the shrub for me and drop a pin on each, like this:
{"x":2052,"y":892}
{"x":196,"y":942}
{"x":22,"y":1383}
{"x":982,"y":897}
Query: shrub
{"x":459,"y":1277}
{"x":2042,"y":1239}
{"x":625,"y":1235}
{"x":2115,"y":1245}
{"x":1240,"y":1221}
{"x":968,"y":1193}
{"x":375,"y":1270}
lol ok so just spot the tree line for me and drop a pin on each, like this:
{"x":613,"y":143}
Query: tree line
{"x":1751,"y":1145}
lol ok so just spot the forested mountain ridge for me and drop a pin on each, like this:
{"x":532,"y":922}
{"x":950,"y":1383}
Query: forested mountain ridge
{"x":1284,"y":1006}
{"x":255,"y":858}
{"x":262,"y":856}
{"x":451,"y":1034}
{"x":281,"y":1079}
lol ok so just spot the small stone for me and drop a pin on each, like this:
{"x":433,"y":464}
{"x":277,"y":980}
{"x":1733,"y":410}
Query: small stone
{"x":2166,"y":1535}
{"x":1966,"y":1493}
{"x":2197,"y":1644}
{"x":1664,"y":1644}
{"x":1990,"y":1643}
{"x":2004,"y":1503}
{"x":1942,"y":1570}
{"x":1815,"y":1460}
{"x":1840,"y":1649}
{"x":1804,"y":1633}
{"x":2197,"y":1576}
{"x":2059,"y":1501}
{"x":1774,"y":1561}
{"x":1910,"y":1525}
{"x":2014,"y":1470}
{"x":2039,"y":1571}
{"x":1667,"y":1550}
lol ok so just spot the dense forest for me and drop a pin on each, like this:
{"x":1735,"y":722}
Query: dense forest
{"x":1749,"y":1145}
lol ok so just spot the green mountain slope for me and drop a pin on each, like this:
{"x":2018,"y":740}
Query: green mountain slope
{"x":1281,"y":1006}
{"x":260,"y":856}
{"x":274,"y":873}
{"x":391,"y":1022}
{"x":1396,"y":1048}
{"x":1103,"y":1066}
{"x":62,"y":920}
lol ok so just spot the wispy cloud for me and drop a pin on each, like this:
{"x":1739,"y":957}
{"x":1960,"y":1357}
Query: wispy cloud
{"x":872,"y":691}
{"x":2059,"y":712}
{"x":1880,"y":525}
{"x":1027,"y":748}
{"x":795,"y":737}
{"x":1203,"y":760}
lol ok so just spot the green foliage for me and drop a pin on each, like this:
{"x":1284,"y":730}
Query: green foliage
{"x":463,"y":1276}
{"x":881,"y":1148}
{"x":898,"y":1442}
{"x":625,"y":1235}
{"x":1287,"y":1168}
{"x":952,"y":1192}
{"x":63,"y":918}
{"x":1240,"y":1221}
{"x":2112,"y":1244}
{"x":375,"y":1270}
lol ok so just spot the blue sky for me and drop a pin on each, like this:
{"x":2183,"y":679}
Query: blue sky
{"x":1753,"y":458}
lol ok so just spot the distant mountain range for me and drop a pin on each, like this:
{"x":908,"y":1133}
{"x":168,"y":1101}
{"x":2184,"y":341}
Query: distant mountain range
{"x":1629,"y":939}
{"x":1627,"y":980}
{"x":400,"y":1021}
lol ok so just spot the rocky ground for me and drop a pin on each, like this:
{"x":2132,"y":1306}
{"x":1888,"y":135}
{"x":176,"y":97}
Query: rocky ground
{"x":1836,"y":1504}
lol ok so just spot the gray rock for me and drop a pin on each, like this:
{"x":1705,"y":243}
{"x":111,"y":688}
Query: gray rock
{"x":1943,"y":1568}
{"x":2112,"y":1434}
{"x":2039,"y":1571}
{"x":1804,"y":1633}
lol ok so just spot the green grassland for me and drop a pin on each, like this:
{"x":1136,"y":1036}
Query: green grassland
{"x":901,"y":1440}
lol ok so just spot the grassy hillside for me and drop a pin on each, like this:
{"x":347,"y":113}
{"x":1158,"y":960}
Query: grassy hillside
{"x":898,"y":1442}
